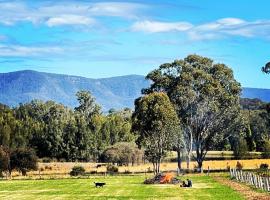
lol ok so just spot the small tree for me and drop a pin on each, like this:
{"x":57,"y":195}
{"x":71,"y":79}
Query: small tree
{"x":23,"y":160}
{"x":77,"y":171}
{"x":112,"y":169}
{"x":264,"y":166}
{"x":156,"y":123}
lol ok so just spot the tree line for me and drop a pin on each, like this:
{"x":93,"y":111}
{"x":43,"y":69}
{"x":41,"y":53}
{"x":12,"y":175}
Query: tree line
{"x":192,"y":104}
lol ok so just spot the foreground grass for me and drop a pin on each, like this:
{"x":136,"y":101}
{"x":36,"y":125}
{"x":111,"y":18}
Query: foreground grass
{"x":118,"y":187}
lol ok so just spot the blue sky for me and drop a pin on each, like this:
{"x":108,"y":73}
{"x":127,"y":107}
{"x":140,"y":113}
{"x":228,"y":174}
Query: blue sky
{"x":111,"y":38}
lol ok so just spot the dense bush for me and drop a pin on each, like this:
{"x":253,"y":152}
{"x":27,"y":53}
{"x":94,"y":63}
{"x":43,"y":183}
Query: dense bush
{"x":112,"y":169}
{"x":23,"y":160}
{"x":123,"y":153}
{"x":77,"y":171}
{"x":264,"y":166}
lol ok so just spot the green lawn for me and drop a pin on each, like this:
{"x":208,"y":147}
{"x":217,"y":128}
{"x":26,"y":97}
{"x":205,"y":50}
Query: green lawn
{"x":118,"y":187}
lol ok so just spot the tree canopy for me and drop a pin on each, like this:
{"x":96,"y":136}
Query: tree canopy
{"x":205,"y":95}
{"x":156,"y":123}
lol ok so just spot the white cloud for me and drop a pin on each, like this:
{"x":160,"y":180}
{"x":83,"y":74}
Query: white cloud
{"x":155,"y":26}
{"x":116,"y":9}
{"x":70,"y":20}
{"x":220,"y":28}
{"x":28,"y":51}
{"x":68,"y":13}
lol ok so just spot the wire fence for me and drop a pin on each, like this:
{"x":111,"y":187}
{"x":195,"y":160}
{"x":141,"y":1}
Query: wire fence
{"x":250,"y":178}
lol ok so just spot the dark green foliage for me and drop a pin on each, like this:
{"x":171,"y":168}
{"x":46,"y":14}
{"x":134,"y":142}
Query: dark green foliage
{"x":156,"y":124}
{"x":205,"y":96}
{"x":57,"y":132}
{"x":251,"y":104}
{"x":266,"y":68}
{"x":240,"y":148}
{"x":23,"y":160}
{"x":4,"y":160}
{"x":266,"y":149}
{"x":264,"y":166}
{"x":77,"y":171}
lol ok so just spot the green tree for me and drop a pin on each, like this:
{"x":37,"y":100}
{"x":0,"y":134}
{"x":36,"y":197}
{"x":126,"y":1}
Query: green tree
{"x":240,"y":148}
{"x":4,"y":160}
{"x":266,"y":149}
{"x":155,"y":121}
{"x":266,"y":68}
{"x":23,"y":160}
{"x":205,"y":96}
{"x":87,"y":104}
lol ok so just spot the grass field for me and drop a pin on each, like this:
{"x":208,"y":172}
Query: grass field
{"x":118,"y":187}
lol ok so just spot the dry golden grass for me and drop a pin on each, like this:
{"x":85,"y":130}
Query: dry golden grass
{"x":65,"y":167}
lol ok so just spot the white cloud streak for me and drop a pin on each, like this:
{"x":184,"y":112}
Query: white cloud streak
{"x":28,"y":51}
{"x":68,"y":13}
{"x":70,"y":20}
{"x":220,"y":28}
{"x":155,"y":27}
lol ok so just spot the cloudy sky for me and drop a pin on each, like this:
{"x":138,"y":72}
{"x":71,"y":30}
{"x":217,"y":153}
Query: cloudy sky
{"x":110,"y":38}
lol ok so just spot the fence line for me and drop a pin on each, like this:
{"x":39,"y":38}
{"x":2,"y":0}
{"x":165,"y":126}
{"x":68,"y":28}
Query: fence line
{"x":251,"y":179}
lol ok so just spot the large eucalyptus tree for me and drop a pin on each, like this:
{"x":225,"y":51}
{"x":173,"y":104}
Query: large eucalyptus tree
{"x":206,"y":97}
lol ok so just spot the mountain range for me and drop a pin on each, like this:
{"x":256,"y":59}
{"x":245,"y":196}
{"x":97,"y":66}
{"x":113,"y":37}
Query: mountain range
{"x":115,"y":92}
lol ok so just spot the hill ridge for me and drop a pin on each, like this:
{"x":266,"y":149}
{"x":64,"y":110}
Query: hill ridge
{"x":111,"y":92}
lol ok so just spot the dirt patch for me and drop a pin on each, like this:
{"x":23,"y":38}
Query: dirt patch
{"x":247,"y":192}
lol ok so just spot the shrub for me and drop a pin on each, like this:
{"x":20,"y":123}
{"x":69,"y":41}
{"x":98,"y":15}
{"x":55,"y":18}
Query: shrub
{"x":48,"y":167}
{"x":266,"y":149}
{"x":77,"y":171}
{"x":239,"y":166}
{"x":23,"y":160}
{"x":127,"y":172}
{"x":112,"y":169}
{"x":62,"y":160}
{"x":123,"y":153}
{"x":264,"y":166}
{"x":46,"y":160}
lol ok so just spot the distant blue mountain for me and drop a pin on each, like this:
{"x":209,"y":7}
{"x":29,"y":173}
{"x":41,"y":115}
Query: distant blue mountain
{"x":24,"y":86}
{"x":116,"y":92}
{"x":252,"y":93}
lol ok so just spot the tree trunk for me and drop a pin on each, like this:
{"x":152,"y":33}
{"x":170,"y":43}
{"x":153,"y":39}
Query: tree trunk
{"x":188,"y":160}
{"x":154,"y":167}
{"x":200,"y":155}
{"x":189,"y":149}
{"x":179,"y":161}
{"x":200,"y":164}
